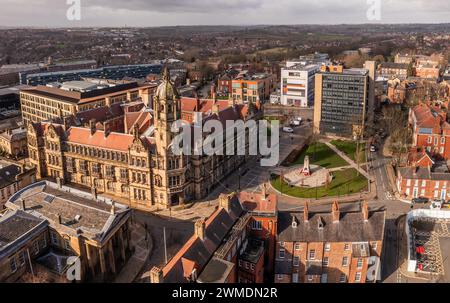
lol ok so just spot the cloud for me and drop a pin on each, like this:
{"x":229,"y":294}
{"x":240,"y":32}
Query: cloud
{"x":218,"y":12}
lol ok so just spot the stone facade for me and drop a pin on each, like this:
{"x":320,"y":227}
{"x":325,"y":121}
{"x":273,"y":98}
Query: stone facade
{"x":136,"y":166}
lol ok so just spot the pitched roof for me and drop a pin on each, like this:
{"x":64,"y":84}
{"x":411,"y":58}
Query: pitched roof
{"x":350,"y":228}
{"x":197,"y":251}
{"x":17,"y":226}
{"x":114,"y":141}
{"x":437,"y":172}
{"x":429,"y":117}
{"x":8,"y":174}
{"x":101,"y":113}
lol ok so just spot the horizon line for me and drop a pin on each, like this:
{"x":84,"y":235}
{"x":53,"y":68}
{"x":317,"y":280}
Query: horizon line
{"x":218,"y":25}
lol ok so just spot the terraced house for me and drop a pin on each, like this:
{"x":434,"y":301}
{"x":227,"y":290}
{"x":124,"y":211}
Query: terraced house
{"x":329,"y":247}
{"x":123,"y":150}
{"x":431,"y":131}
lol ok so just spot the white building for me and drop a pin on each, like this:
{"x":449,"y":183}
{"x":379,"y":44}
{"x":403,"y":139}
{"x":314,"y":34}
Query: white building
{"x":297,"y":84}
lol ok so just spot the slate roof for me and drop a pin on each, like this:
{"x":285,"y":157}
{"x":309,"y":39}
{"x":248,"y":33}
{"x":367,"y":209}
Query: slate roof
{"x":16,"y":228}
{"x":8,"y":174}
{"x":200,"y":251}
{"x":423,"y":173}
{"x":216,"y":271}
{"x":44,"y":200}
{"x":350,"y":228}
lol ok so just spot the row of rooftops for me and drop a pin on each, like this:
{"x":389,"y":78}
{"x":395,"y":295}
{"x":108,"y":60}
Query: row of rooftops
{"x":206,"y":250}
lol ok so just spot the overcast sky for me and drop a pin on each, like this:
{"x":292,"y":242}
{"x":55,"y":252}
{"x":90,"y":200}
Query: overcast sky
{"x":52,"y":13}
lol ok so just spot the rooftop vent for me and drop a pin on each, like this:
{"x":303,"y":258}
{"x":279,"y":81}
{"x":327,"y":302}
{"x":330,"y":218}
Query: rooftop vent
{"x":49,"y":198}
{"x":78,"y":218}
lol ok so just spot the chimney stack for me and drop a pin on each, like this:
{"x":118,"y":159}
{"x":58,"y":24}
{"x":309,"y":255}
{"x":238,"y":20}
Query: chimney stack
{"x":156,"y":275}
{"x":306,"y":212}
{"x":335,"y":213}
{"x":113,"y":208}
{"x":264,"y":190}
{"x":200,"y":229}
{"x":92,"y":126}
{"x":225,"y":202}
{"x":59,"y":182}
{"x":365,"y":211}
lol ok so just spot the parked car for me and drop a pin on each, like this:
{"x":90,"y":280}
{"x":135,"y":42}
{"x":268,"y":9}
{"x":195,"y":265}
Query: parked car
{"x":299,"y":119}
{"x":288,"y":130}
{"x":420,"y":200}
{"x":439,"y":204}
{"x":295,"y":123}
{"x":373,"y":148}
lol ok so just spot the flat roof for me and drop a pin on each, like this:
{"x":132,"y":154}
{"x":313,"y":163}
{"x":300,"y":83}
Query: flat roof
{"x":78,"y":210}
{"x":216,"y":271}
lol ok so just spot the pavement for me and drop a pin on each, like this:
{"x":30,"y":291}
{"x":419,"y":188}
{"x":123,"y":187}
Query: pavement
{"x":167,"y":236}
{"x":143,"y":245}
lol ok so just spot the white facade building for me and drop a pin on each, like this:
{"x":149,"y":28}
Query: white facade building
{"x":297,"y":84}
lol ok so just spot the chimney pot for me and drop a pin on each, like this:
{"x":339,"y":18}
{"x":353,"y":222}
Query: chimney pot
{"x":306,"y":212}
{"x":156,"y":275}
{"x":200,"y":229}
{"x":225,"y":201}
{"x":113,"y":208}
{"x":264,"y":190}
{"x":335,"y":212}
{"x":92,"y":126}
{"x":365,"y":211}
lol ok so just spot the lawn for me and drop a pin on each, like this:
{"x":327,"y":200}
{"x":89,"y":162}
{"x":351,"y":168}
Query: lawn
{"x":349,"y":148}
{"x":344,"y":182}
{"x":320,"y":154}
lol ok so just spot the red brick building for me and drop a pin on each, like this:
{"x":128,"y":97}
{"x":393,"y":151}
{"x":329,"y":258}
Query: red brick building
{"x":424,"y":177}
{"x":431,"y":132}
{"x":329,"y":248}
{"x":225,"y":248}
{"x":224,"y":83}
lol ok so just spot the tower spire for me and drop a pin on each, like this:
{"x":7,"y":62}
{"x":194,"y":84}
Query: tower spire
{"x":166,"y":74}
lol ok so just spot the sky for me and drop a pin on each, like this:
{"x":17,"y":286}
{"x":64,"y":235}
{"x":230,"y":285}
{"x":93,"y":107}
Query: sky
{"x":149,"y":13}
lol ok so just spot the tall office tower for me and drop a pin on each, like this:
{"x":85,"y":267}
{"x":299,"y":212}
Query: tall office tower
{"x":341,"y":101}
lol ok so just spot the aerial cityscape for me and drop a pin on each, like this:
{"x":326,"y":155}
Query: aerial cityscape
{"x":268,"y":152}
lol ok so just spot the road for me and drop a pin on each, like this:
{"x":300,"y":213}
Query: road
{"x":177,"y":233}
{"x":252,"y":175}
